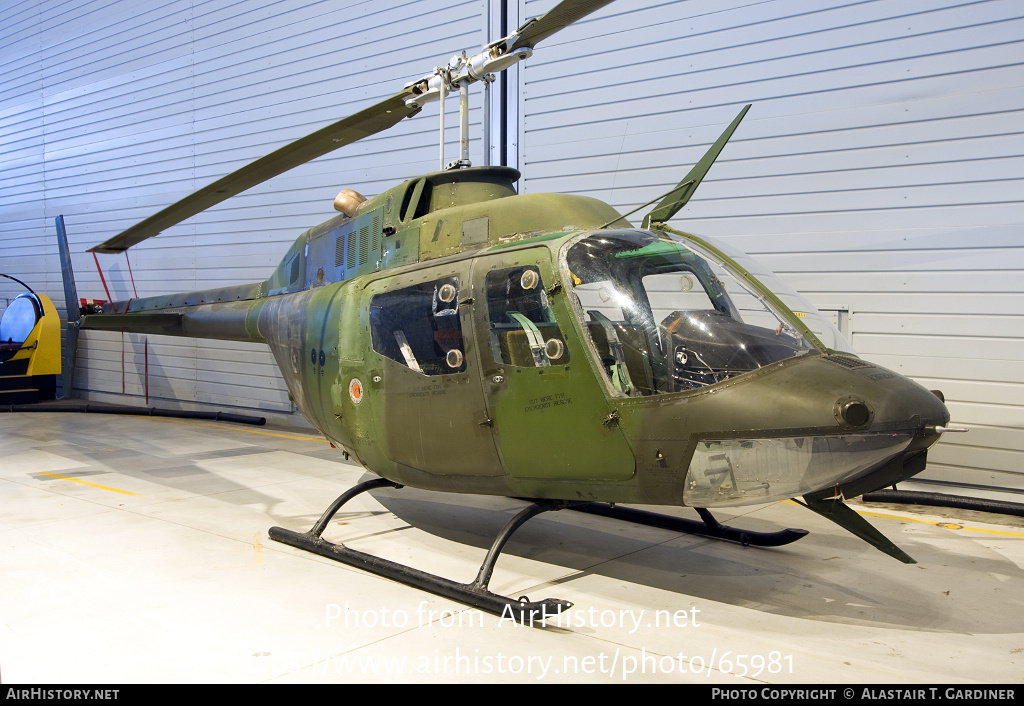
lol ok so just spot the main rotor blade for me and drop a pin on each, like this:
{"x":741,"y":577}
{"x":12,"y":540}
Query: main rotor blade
{"x":346,"y":131}
{"x":366,"y":122}
{"x":559,"y":17}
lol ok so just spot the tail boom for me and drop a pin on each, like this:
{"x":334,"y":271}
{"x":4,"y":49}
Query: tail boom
{"x":226,"y":321}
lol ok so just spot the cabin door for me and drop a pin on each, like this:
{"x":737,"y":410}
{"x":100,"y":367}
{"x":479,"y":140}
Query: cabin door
{"x":431,"y":406}
{"x":543,"y":399}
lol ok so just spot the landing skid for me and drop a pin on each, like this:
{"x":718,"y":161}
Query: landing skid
{"x":707,"y":526}
{"x":473,"y":594}
{"x":476,"y":594}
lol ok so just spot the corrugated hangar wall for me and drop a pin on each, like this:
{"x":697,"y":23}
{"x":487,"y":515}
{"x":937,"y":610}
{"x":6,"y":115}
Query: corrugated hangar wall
{"x":879,"y":170}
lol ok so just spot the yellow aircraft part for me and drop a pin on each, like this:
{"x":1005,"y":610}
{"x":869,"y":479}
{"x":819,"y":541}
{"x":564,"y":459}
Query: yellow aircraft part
{"x":42,"y":347}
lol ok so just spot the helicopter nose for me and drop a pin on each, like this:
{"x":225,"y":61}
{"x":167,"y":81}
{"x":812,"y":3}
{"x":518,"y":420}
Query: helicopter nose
{"x":844,"y":424}
{"x":898,"y":406}
{"x":880,"y":399}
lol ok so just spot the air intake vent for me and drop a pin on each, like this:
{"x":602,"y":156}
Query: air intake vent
{"x":350,"y":260}
{"x":364,"y":244}
{"x":339,"y":251}
{"x":847,"y":362}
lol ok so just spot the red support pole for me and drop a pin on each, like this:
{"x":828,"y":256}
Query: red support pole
{"x":104,"y":281}
{"x":129,"y":273}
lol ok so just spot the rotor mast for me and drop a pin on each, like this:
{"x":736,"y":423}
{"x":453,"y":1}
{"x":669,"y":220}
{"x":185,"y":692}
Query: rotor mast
{"x":460,"y":72}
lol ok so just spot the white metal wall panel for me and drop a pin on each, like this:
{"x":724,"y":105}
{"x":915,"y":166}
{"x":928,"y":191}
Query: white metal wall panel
{"x":110,"y":111}
{"x":21,"y":149}
{"x":880,"y":170}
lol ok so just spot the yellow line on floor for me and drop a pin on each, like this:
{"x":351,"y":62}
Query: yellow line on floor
{"x":85,"y":482}
{"x":944,"y":525}
{"x":215,"y":426}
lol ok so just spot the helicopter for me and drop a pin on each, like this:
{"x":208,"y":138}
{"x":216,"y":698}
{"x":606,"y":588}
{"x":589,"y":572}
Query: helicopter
{"x":453,"y":335}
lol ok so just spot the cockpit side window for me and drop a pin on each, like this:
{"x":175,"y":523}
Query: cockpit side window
{"x":419,"y":327}
{"x":523,"y":331}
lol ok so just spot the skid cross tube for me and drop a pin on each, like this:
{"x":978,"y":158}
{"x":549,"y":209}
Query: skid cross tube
{"x":707,"y":526}
{"x":473,"y":594}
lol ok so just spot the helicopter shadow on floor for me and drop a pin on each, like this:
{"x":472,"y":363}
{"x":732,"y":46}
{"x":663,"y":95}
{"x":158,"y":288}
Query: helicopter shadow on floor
{"x":828,"y":576}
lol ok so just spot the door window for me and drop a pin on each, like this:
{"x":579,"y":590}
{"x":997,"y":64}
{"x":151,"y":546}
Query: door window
{"x":419,"y":327}
{"x":523,"y":331}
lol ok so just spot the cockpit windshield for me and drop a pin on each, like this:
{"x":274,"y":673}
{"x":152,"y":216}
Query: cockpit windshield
{"x":665,"y":316}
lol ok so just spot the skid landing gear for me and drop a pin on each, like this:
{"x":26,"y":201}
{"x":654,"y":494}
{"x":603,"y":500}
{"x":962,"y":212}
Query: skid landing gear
{"x":707,"y":527}
{"x":475,"y":594}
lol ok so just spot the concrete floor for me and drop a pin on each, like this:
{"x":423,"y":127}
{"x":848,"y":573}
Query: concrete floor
{"x":135,"y":550}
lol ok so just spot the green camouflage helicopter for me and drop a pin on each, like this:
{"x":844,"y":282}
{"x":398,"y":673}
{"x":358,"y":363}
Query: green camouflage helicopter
{"x":453,"y":335}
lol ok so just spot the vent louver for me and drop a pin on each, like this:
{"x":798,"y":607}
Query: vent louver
{"x":848,"y":362}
